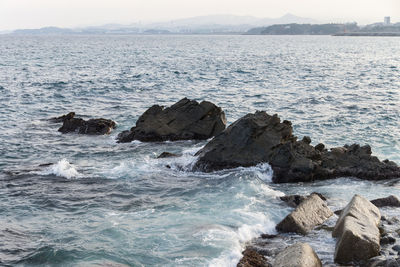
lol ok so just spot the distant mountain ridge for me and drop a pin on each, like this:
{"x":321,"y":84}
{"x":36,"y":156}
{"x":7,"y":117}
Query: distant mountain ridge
{"x":195,"y":25}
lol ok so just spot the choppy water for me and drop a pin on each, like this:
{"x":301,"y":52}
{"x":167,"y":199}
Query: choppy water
{"x":102,"y":202}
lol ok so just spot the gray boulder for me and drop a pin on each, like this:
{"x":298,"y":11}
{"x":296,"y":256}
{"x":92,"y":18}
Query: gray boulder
{"x":309,"y":213}
{"x":357,"y":232}
{"x":297,"y":255}
{"x":259,"y":137}
{"x":390,"y":201}
{"x":185,"y":120}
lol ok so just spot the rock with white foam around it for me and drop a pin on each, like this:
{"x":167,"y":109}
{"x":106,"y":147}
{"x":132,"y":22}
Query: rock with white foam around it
{"x":311,"y":212}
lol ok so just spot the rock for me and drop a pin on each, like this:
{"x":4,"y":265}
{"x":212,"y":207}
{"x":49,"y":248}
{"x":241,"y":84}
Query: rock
{"x":382,"y":261}
{"x":311,"y":212}
{"x":297,"y":255}
{"x":387,"y":240}
{"x":167,"y":155}
{"x":295,"y":200}
{"x":90,"y":127}
{"x":185,"y":120}
{"x":396,"y":248}
{"x":252,"y":258}
{"x":338,"y":212}
{"x":390,"y":201}
{"x":259,"y":137}
{"x":357,"y":232}
{"x":268,"y":236}
{"x":63,"y":117}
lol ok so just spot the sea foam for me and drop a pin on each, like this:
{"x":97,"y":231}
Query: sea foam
{"x":62,"y":168}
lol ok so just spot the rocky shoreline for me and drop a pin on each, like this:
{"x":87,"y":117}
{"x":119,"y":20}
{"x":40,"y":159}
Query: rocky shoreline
{"x":361,"y":232}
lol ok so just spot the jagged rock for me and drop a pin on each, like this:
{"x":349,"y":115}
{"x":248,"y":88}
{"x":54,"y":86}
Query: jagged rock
{"x":185,"y":120}
{"x":390,"y":201}
{"x":295,"y":200}
{"x":90,"y":127}
{"x":63,"y":117}
{"x":167,"y":155}
{"x":357,"y":232}
{"x":259,"y":137}
{"x":387,"y":240}
{"x":311,"y":212}
{"x":297,"y":255}
{"x":251,"y":258}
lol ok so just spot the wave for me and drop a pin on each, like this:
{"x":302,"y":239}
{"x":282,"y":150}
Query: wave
{"x":63,"y":169}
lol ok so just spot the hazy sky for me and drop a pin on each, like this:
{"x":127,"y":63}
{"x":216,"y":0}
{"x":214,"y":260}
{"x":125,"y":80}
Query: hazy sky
{"x":70,"y":13}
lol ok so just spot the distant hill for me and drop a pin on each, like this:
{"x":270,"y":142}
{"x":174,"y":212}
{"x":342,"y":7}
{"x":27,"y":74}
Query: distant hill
{"x":213,"y":24}
{"x":303,"y":29}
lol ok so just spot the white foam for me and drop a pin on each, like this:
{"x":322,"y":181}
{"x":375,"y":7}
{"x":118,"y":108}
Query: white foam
{"x":62,"y":168}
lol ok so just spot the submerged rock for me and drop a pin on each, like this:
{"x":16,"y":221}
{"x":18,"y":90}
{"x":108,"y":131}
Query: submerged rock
{"x":259,"y":137}
{"x":185,"y":120}
{"x":90,"y":127}
{"x":357,"y":232}
{"x":297,"y":255}
{"x":311,"y":212}
{"x":390,"y":201}
{"x":295,"y":200}
{"x":251,"y":258}
{"x":167,"y":155}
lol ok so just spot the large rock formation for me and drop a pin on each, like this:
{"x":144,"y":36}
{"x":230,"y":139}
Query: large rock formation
{"x":357,"y":232}
{"x":297,"y":255}
{"x":309,"y":213}
{"x":259,"y":137}
{"x":81,"y":126}
{"x":185,"y":120}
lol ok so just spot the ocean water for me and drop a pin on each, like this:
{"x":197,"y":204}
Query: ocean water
{"x":98,"y":203}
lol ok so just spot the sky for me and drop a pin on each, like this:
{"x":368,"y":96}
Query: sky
{"x":17,"y":14}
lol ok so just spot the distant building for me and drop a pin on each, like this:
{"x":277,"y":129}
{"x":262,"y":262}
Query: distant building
{"x":386,"y":20}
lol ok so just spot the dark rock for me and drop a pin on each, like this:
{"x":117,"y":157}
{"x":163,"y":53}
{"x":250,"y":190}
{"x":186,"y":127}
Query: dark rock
{"x":390,"y":201}
{"x":396,"y":248}
{"x":185,"y":120}
{"x":167,"y":155}
{"x":259,"y":137}
{"x":63,"y":117}
{"x":90,"y":127}
{"x":338,"y":212}
{"x":387,"y":240}
{"x":311,"y":212}
{"x":307,"y":140}
{"x":268,"y":236}
{"x":251,"y":258}
{"x":320,"y":147}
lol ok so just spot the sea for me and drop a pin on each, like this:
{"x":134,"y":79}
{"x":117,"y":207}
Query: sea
{"x":76,"y":200}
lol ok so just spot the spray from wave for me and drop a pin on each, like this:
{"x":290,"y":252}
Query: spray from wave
{"x":63,"y":169}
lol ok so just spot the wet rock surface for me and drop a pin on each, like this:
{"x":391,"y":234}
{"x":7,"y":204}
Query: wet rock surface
{"x":259,"y":137}
{"x":297,"y":255}
{"x":390,"y":201}
{"x":309,"y":213}
{"x":357,"y":232}
{"x":90,"y":127}
{"x":185,"y":120}
{"x":251,"y":258}
{"x":63,"y":117}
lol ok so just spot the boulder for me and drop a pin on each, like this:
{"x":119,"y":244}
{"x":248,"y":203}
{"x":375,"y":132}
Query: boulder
{"x":309,"y":213}
{"x":185,"y":120}
{"x":259,"y":137}
{"x":390,"y":201}
{"x":251,"y":258}
{"x":90,"y":127}
{"x":167,"y":155}
{"x":295,"y":200}
{"x":357,"y":232}
{"x":297,"y":255}
{"x":63,"y":117}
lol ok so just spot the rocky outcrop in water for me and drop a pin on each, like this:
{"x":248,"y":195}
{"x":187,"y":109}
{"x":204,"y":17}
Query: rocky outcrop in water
{"x":357,"y":232}
{"x":251,"y":258}
{"x":390,"y":201}
{"x":309,"y":213}
{"x":259,"y":137}
{"x":185,"y":120}
{"x":81,"y":126}
{"x":297,"y":255}
{"x":295,"y":200}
